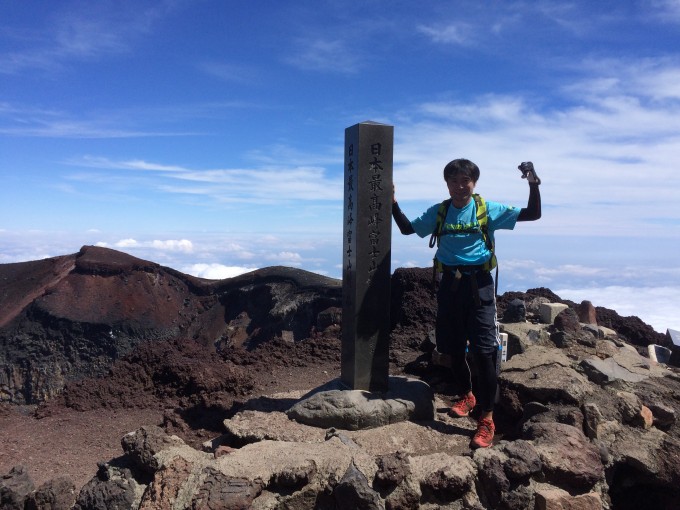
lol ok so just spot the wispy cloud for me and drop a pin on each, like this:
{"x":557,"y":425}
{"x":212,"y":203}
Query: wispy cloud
{"x":566,"y":15}
{"x":265,"y":184}
{"x":461,"y":34}
{"x":76,"y":35}
{"x":326,"y":55}
{"x":36,"y":123}
{"x":125,"y":122}
{"x":133,"y":164}
{"x":666,"y":11}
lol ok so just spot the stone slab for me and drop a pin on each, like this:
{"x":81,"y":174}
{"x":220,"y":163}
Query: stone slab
{"x":607,"y":371}
{"x":548,"y":311}
{"x":406,"y":399}
{"x":536,"y":356}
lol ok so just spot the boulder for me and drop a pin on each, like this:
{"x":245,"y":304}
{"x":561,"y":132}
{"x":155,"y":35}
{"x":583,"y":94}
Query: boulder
{"x":626,"y":365}
{"x":569,"y":460}
{"x":143,"y":444}
{"x":549,"y":311}
{"x":515,"y":311}
{"x":646,"y":469}
{"x":15,"y":487}
{"x":567,"y":321}
{"x":353,"y":491}
{"x":56,"y":494}
{"x":114,"y":486}
{"x":220,"y":492}
{"x":544,"y":375}
{"x":523,"y":461}
{"x":664,"y":415}
{"x":406,"y":399}
{"x":169,"y":483}
{"x":558,"y":499}
{"x":523,"y":335}
{"x":444,"y":477}
{"x":505,"y":475}
{"x":586,"y":313}
{"x":393,"y":468}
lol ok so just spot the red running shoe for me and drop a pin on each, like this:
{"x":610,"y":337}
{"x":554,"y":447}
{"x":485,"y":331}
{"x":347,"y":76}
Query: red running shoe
{"x":483,"y":438}
{"x":464,"y":406}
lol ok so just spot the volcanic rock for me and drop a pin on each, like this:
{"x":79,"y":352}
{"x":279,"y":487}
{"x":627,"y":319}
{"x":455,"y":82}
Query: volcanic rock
{"x":69,"y":317}
{"x":589,"y":425}
{"x":15,"y":488}
{"x":57,"y":494}
{"x":586,"y":313}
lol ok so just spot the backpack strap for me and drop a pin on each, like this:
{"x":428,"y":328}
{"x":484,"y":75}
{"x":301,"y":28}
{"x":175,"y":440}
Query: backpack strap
{"x":441,"y":218}
{"x":483,"y":220}
{"x":437,"y":267}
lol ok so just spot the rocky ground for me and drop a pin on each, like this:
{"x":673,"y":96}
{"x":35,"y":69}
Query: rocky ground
{"x":71,"y":439}
{"x":172,"y":380}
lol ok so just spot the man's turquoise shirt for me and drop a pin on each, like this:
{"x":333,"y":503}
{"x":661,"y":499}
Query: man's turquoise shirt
{"x":457,"y":249}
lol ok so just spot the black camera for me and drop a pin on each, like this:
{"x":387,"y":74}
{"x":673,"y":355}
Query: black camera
{"x":525,"y":167}
{"x":528,"y":172}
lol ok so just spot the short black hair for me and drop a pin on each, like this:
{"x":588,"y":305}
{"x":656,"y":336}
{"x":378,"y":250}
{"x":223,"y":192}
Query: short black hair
{"x":461,"y":166}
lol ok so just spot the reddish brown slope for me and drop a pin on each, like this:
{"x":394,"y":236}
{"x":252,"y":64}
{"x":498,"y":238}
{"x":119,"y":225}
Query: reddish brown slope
{"x":23,"y":282}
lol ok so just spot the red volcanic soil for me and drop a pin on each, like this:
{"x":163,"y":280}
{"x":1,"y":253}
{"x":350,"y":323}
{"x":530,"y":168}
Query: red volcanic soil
{"x":178,"y":387}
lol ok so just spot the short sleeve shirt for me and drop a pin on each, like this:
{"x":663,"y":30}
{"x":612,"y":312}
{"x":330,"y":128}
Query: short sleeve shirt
{"x":460,"y":246}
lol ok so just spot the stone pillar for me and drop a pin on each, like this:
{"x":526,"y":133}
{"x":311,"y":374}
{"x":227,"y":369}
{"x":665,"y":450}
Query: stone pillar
{"x":366,"y":256}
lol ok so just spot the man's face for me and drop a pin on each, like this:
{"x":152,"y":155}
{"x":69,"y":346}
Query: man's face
{"x":460,"y":188}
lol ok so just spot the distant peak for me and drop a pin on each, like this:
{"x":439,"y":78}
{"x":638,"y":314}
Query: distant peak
{"x":99,"y":260}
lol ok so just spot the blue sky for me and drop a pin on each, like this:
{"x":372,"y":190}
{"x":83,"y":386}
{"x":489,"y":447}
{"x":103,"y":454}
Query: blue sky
{"x":208,"y":135}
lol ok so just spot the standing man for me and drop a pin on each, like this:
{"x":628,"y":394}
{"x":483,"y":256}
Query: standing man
{"x":463,"y":229}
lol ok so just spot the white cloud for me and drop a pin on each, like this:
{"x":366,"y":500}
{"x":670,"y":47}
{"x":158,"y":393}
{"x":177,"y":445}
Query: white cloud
{"x":132,"y":164}
{"x":182,"y":245}
{"x":666,"y":11}
{"x":657,"y":306}
{"x":215,"y":271}
{"x":569,"y":270}
{"x":268,"y":184}
{"x":455,"y":33}
{"x":77,"y":35}
{"x":126,"y":243}
{"x":173,"y":245}
{"x":328,"y":55}
{"x":285,"y":258}
{"x":593,"y":154}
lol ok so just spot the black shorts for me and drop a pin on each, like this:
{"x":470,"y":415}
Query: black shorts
{"x":461,"y":318}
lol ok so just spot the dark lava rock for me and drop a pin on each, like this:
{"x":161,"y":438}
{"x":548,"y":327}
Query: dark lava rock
{"x":516,"y":311}
{"x":15,"y":488}
{"x":631,"y":328}
{"x":392,"y":469}
{"x":56,"y":494}
{"x":567,"y":321}
{"x":353,"y":492}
